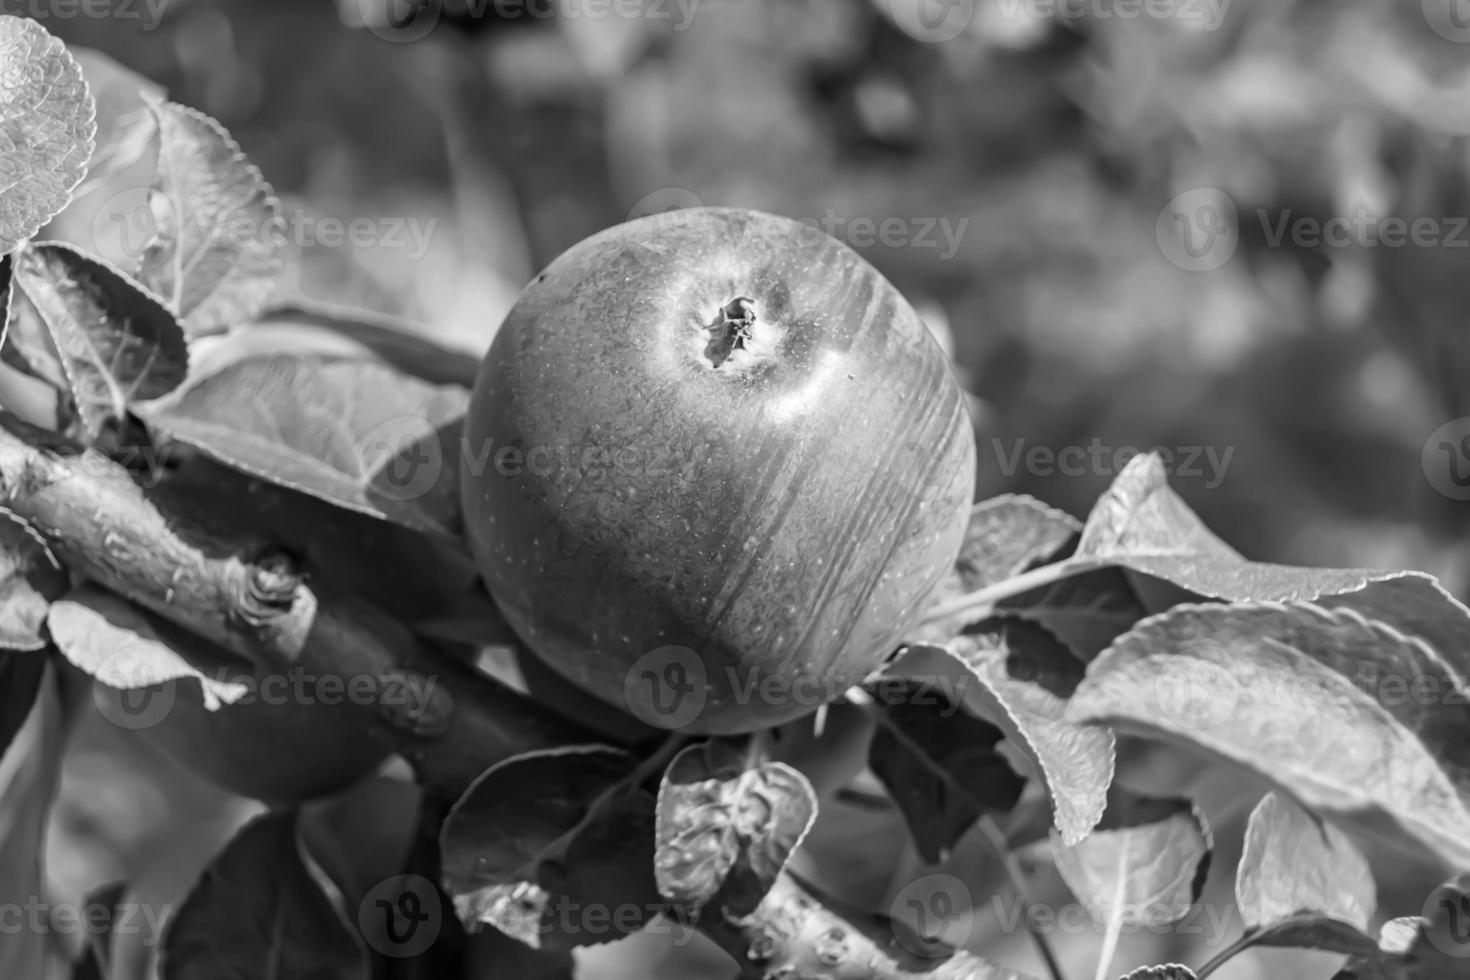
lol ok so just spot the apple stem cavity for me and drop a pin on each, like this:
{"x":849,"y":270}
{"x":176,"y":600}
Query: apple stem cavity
{"x":731,"y":330}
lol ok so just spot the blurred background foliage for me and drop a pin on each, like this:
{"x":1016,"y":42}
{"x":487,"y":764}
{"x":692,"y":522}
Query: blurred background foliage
{"x":1058,"y":139}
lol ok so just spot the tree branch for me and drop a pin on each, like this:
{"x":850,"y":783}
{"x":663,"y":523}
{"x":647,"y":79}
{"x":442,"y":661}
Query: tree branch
{"x":250,"y":597}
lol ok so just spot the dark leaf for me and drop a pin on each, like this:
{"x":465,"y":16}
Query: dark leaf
{"x":940,"y":765}
{"x":1302,"y":883}
{"x":47,"y":125}
{"x":353,"y":433}
{"x":554,"y":848}
{"x":30,"y":579}
{"x":1017,"y":676}
{"x":78,"y":319}
{"x":20,"y":682}
{"x":727,"y":828}
{"x":1291,"y":692}
{"x":1144,"y":864}
{"x":257,"y":913}
{"x":214,"y":256}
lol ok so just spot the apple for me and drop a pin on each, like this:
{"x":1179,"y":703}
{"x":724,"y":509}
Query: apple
{"x":713,"y":464}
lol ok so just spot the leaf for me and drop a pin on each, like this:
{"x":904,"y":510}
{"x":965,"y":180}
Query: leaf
{"x":1277,"y":673}
{"x":29,"y":770}
{"x":258,"y":913}
{"x":725,"y":828}
{"x":1086,"y":612}
{"x":554,"y":848}
{"x":1140,"y":524}
{"x":214,"y":256}
{"x":30,"y":579}
{"x":398,"y":343}
{"x":115,"y":344}
{"x":47,"y":125}
{"x":1168,"y":971}
{"x":119,"y":644}
{"x":1005,"y":536}
{"x":353,"y":433}
{"x":1017,"y":676}
{"x":940,"y":765}
{"x":1302,"y":883}
{"x":1145,"y":862}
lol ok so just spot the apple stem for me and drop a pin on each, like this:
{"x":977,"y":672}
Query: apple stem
{"x":731,"y":330}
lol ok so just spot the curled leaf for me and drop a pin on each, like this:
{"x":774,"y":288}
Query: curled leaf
{"x":727,"y":829}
